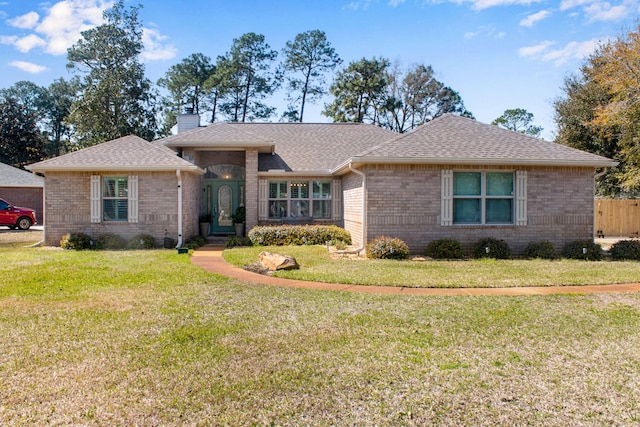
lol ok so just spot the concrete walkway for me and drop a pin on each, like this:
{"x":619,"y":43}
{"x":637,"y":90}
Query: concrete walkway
{"x":210,"y":258}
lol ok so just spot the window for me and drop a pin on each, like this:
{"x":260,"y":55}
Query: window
{"x":277,"y":199}
{"x":115,"y":199}
{"x":300,"y":199}
{"x":483,"y":198}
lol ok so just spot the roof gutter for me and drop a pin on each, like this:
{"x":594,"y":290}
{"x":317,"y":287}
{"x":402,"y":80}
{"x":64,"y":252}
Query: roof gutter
{"x":473,"y":161}
{"x":111,"y":168}
{"x":179,"y":176}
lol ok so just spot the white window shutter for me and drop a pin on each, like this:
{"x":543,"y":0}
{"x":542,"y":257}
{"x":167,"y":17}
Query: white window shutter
{"x":263,"y":200}
{"x":446,"y":201}
{"x":336,"y":194}
{"x":521,"y":197}
{"x":96,"y":202}
{"x":132,"y":182}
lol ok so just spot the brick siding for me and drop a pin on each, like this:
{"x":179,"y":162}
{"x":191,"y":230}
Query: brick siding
{"x":68,"y":207}
{"x":352,"y":206}
{"x":404,"y":202}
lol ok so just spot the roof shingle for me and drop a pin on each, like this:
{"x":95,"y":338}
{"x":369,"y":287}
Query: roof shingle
{"x":14,"y":177}
{"x":298,"y":146}
{"x":458,"y":140}
{"x":122,"y":154}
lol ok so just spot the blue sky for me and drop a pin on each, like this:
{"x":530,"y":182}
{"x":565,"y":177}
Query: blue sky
{"x":498,"y":54}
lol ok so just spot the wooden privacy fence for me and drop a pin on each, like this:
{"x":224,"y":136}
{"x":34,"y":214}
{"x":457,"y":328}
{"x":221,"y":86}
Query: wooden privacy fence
{"x":617,"y":217}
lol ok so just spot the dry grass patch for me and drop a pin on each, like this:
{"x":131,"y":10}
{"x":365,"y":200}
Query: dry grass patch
{"x":149,"y":339}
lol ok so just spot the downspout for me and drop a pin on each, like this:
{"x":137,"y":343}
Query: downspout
{"x":599,"y":174}
{"x":595,"y":177}
{"x":364,"y":207}
{"x":179,"y":175}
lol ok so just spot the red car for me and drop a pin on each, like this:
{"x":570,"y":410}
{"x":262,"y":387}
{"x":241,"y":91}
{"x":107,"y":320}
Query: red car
{"x":13,"y":216}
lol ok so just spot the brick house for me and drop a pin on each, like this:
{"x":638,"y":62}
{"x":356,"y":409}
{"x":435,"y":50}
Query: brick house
{"x":21,"y":188}
{"x":452,"y":177}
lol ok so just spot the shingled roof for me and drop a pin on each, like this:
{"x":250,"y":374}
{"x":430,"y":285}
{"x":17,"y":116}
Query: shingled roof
{"x":129,"y":153}
{"x":452,"y":139}
{"x":14,"y":177}
{"x":300,"y":147}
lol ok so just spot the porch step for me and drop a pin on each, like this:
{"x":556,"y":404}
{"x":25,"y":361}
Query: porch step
{"x":217,"y":239}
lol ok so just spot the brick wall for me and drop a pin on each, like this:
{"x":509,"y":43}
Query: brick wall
{"x":68,"y":206}
{"x":352,"y":206}
{"x":191,"y":202}
{"x":251,"y":189}
{"x":25,"y":197}
{"x":404,"y":202}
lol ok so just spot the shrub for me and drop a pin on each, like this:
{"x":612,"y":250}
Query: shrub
{"x":625,"y":249}
{"x":234,"y":241}
{"x":387,"y":248}
{"x":195,"y":242}
{"x":76,"y":241}
{"x":542,"y":250}
{"x":445,"y":249}
{"x":142,"y":241}
{"x":110,"y":241}
{"x":279,"y":235}
{"x":576,"y":250}
{"x":497,"y":249}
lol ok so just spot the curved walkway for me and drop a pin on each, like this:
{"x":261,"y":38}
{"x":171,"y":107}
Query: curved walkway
{"x":210,"y":258}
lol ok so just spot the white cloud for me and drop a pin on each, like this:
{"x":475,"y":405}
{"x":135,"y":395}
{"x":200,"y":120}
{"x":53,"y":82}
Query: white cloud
{"x":65,"y":21}
{"x":25,"y":44}
{"x":28,"y":67}
{"x":530,"y":20}
{"x":602,"y":10}
{"x":8,"y":39}
{"x":486,"y":4}
{"x":154,"y":47}
{"x":26,"y":21}
{"x":536,"y":49}
{"x":471,"y":35}
{"x":485,"y":30}
{"x":394,"y":3}
{"x":572,"y":50}
{"x":356,"y":5}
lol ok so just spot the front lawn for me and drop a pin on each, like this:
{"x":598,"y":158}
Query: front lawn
{"x":317,"y":265}
{"x":146,"y":338}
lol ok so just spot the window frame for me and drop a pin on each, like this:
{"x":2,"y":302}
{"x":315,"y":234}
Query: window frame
{"x":305,"y":198}
{"x":483,"y":198}
{"x":118,"y":199}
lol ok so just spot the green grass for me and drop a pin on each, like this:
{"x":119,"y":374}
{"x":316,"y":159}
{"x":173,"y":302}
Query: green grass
{"x":146,"y":338}
{"x":317,"y":265}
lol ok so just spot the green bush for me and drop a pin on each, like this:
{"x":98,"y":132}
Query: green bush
{"x":234,"y":241}
{"x":195,"y":242}
{"x":542,"y":250}
{"x":576,"y":250}
{"x":625,"y":249}
{"x":279,"y":235}
{"x":445,"y":249}
{"x":110,"y":241}
{"x":76,"y":241}
{"x":142,"y":241}
{"x":384,"y":247}
{"x":497,"y":249}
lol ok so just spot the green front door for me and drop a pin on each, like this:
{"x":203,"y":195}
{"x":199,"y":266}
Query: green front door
{"x":223,"y":198}
{"x":223,"y":194}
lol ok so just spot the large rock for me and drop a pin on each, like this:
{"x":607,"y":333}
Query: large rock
{"x":278,"y":262}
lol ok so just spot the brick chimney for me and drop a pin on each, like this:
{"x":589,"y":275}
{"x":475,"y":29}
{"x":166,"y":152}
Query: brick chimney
{"x":188,"y":120}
